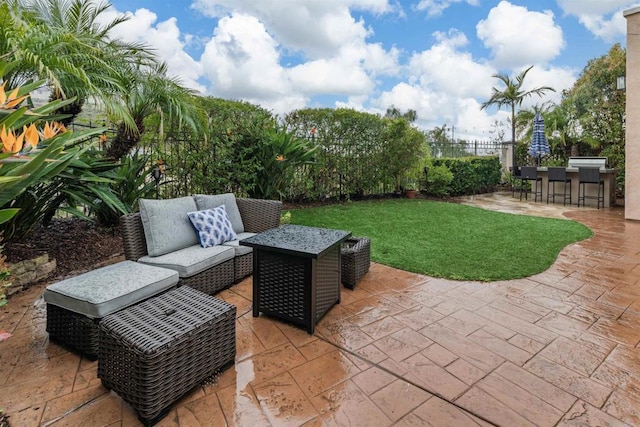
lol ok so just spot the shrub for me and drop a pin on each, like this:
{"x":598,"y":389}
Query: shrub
{"x":438,"y":180}
{"x":472,"y":175}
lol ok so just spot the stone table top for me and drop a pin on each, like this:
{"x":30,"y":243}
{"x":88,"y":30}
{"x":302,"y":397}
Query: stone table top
{"x":299,"y":240}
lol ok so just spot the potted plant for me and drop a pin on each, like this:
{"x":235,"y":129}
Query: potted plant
{"x":410,"y":189}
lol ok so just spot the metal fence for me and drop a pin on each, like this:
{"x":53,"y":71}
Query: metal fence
{"x":462,"y":148}
{"x":342,"y":169}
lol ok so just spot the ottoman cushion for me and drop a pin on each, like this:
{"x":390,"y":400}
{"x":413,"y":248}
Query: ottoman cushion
{"x":108,"y":289}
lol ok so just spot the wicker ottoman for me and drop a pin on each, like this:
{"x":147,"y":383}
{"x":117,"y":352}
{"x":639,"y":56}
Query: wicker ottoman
{"x":356,"y":259}
{"x":153,"y":353}
{"x":76,"y":305}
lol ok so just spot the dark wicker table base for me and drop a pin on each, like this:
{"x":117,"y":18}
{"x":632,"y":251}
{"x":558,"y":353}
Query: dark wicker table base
{"x":299,"y":290}
{"x":153,"y":353}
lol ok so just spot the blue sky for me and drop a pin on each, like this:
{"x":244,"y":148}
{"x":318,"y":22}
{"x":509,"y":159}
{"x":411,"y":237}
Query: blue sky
{"x":434,"y":56}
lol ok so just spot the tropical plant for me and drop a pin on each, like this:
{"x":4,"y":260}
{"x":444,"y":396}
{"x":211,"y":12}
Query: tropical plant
{"x":85,"y":182}
{"x":67,"y":43}
{"x":278,"y":156}
{"x":512,"y":95}
{"x":150,"y":90}
{"x":31,"y":156}
{"x":130,"y":183}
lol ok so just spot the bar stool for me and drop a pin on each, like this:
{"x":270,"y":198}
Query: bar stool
{"x":590,"y":176}
{"x":530,"y":173}
{"x":558,"y":174}
{"x":516,"y":178}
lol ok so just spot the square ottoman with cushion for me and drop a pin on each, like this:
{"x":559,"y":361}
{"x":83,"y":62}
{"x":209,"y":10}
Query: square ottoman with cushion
{"x":154,"y":352}
{"x":76,"y":305}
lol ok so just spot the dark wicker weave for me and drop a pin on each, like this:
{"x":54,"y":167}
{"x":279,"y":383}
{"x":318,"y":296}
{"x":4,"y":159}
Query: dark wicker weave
{"x":257,"y":215}
{"x":73,"y":329}
{"x":153,"y":353}
{"x":356,"y":260}
{"x":289,"y":290}
{"x":243,"y":266}
{"x":211,"y":280}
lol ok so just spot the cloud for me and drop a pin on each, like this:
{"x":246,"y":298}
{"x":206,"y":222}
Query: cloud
{"x":317,"y":29}
{"x":247,"y":59}
{"x":242,"y":62}
{"x":436,"y":7}
{"x":518,"y":37}
{"x":443,"y":85}
{"x":603,"y":18}
{"x":593,"y":7}
{"x":164,"y":38}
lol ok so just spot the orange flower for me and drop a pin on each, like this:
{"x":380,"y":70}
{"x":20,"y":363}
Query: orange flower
{"x":52,"y":129}
{"x":10,"y":142}
{"x":103,"y":138}
{"x":31,"y":136}
{"x":280,"y":157}
{"x":313,"y":130}
{"x":11,"y":101}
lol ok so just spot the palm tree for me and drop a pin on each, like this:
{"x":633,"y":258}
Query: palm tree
{"x":150,"y":91}
{"x":66,"y":42}
{"x":513,"y":95}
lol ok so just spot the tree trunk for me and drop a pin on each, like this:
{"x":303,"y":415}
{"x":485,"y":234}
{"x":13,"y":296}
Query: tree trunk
{"x":574,"y":150}
{"x":124,"y":141}
{"x":73,"y":109}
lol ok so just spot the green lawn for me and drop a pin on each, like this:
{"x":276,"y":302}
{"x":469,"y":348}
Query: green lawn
{"x":450,"y":240}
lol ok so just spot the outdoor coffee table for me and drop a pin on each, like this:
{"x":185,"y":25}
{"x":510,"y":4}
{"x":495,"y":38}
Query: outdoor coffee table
{"x":296,"y":272}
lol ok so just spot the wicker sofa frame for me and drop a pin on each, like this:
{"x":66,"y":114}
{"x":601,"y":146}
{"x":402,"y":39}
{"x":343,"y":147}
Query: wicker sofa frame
{"x":258,"y":215}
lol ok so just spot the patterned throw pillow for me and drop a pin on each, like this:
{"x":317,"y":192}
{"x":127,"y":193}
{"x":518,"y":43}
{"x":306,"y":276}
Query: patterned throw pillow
{"x":212,"y":226}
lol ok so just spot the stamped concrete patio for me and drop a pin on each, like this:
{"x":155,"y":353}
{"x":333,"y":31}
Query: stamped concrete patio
{"x":559,"y":348}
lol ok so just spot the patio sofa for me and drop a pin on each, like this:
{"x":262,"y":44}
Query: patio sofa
{"x":162,"y":235}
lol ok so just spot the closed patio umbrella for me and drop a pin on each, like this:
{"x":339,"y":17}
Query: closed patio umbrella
{"x":539,"y":145}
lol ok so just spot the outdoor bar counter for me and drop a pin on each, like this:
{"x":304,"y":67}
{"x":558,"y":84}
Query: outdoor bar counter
{"x":608,"y":175}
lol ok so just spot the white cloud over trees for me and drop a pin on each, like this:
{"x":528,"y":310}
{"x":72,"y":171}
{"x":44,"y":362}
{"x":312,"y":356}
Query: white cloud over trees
{"x":285,"y":54}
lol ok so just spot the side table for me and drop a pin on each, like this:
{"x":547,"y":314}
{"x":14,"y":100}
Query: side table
{"x":296,"y":272}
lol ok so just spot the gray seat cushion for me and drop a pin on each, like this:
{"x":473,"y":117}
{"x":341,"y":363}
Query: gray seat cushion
{"x":235,"y":244}
{"x":208,"y":201}
{"x":192,"y":260}
{"x":167,"y":227}
{"x":108,"y":289}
